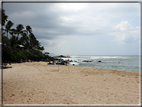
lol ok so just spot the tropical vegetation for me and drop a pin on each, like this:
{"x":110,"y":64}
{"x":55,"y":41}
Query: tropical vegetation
{"x":19,"y":44}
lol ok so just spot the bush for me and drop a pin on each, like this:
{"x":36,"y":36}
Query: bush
{"x":36,"y":53}
{"x":13,"y":57}
{"x":6,"y":49}
{"x":21,"y":55}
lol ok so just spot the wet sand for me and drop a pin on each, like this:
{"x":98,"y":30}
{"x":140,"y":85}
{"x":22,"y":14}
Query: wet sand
{"x":39,"y":83}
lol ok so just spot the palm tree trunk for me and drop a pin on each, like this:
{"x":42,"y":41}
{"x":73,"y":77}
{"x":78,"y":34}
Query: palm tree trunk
{"x":7,"y":33}
{"x":18,"y":36}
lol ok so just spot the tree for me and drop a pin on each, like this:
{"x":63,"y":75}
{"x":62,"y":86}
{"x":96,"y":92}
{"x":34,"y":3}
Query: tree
{"x":27,"y":38}
{"x":29,"y":29}
{"x":18,"y":30}
{"x":34,"y":43}
{"x":4,"y":17}
{"x":46,"y":53}
{"x":11,"y":46}
{"x":8,"y":26}
{"x":14,"y":43}
{"x":23,"y":39}
{"x":41,"y":48}
{"x":6,"y":48}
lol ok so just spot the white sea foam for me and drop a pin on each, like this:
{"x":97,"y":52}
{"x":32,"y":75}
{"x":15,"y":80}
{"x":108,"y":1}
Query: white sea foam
{"x":128,"y":63}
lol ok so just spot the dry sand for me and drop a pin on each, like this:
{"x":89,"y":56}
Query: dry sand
{"x":39,"y":83}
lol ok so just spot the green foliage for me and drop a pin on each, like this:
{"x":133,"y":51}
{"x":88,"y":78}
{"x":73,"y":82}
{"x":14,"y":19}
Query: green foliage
{"x":14,"y":42}
{"x":10,"y":46}
{"x":46,"y":53}
{"x":37,"y":53}
{"x":13,"y":57}
{"x":5,"y":41}
{"x":4,"y":17}
{"x":17,"y":56}
{"x":6,"y":48}
{"x":29,"y":29}
{"x":21,"y":55}
{"x":31,"y":54}
{"x":8,"y":26}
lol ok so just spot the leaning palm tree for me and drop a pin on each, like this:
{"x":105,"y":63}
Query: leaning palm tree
{"x":8,"y":26}
{"x":32,"y":40}
{"x":18,"y":30}
{"x":29,"y":29}
{"x":25,"y":39}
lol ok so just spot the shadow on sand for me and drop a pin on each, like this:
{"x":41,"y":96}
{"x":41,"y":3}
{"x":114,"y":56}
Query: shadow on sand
{"x":6,"y":67}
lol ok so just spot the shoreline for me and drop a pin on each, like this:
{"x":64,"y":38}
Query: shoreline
{"x":39,"y":83}
{"x":9,"y":66}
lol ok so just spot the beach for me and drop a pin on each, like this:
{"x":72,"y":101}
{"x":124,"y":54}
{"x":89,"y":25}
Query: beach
{"x":40,"y":83}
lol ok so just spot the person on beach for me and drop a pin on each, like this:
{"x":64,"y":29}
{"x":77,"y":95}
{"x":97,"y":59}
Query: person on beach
{"x":68,"y":62}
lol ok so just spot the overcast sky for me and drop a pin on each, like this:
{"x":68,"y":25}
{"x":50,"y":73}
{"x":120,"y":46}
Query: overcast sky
{"x":81,"y":28}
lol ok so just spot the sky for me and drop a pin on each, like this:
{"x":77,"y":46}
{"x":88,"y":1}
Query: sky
{"x":81,"y":28}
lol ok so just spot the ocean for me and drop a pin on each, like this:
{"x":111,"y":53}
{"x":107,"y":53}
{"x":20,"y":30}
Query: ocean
{"x":125,"y":63}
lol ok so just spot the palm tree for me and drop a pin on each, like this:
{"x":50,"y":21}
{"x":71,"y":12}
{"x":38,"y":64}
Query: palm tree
{"x":25,"y":40}
{"x":14,"y":43}
{"x":4,"y":17}
{"x":8,"y":26}
{"x":29,"y":29}
{"x":18,"y":30}
{"x":41,"y":48}
{"x":32,"y":40}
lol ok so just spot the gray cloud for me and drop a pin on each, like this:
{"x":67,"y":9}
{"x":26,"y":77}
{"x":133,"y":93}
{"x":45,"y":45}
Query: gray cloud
{"x":56,"y":24}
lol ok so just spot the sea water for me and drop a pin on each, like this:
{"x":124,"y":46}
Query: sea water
{"x":125,"y":63}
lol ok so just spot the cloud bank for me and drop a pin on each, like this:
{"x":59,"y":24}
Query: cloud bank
{"x":81,"y":28}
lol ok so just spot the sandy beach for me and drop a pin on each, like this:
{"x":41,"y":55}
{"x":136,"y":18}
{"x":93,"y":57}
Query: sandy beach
{"x":39,"y":83}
